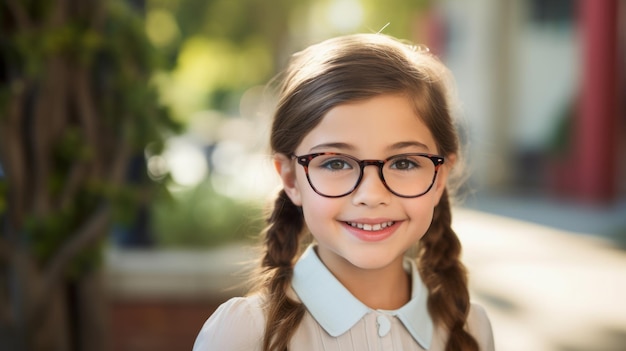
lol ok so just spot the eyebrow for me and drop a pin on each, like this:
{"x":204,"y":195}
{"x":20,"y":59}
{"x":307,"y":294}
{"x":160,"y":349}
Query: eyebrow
{"x":348,"y":147}
{"x":341,"y":146}
{"x":408,"y":144}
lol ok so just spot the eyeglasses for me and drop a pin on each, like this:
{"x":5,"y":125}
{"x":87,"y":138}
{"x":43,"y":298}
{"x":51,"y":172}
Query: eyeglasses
{"x":333,"y":174}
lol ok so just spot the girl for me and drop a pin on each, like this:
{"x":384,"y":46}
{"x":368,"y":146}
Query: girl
{"x":364,"y":143}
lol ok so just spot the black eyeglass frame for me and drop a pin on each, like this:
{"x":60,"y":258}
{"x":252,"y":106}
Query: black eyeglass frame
{"x":304,"y":161}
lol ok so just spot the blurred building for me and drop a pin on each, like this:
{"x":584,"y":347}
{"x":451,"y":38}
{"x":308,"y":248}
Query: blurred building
{"x":542,"y":91}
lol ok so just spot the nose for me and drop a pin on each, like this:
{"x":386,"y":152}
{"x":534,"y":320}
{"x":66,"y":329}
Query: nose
{"x":371,"y":191}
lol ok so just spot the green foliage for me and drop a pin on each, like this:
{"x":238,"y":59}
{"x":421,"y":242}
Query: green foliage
{"x":399,"y":14}
{"x":221,"y":48}
{"x":35,"y":46}
{"x":200,"y":217}
{"x":103,"y":69}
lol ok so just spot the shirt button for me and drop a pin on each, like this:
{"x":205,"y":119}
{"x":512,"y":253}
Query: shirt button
{"x":384,"y":325}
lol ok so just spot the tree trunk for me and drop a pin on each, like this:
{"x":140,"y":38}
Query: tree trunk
{"x":74,"y":105}
{"x":92,"y":307}
{"x":74,"y":316}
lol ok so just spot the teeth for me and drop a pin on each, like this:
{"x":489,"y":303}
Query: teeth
{"x":371,"y":227}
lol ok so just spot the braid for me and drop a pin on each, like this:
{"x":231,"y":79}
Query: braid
{"x":281,"y":245}
{"x":446,"y":278}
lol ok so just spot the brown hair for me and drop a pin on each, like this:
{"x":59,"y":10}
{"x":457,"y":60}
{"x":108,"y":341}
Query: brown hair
{"x":346,"y":69}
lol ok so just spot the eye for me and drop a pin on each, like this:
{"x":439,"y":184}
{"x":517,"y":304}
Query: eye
{"x":404,"y":163}
{"x":336,"y":164}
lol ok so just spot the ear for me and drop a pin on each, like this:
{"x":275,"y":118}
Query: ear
{"x":285,"y":167}
{"x":442,"y":176}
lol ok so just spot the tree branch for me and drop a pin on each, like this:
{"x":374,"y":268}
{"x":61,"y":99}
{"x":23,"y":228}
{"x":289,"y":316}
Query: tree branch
{"x":72,"y":184}
{"x":98,"y":15}
{"x":92,"y":230}
{"x":13,"y":156}
{"x":6,"y":257}
{"x":122,"y":157}
{"x":49,"y":119}
{"x":87,"y":113}
{"x":21,"y":17}
{"x":59,"y":15}
{"x":6,"y":250}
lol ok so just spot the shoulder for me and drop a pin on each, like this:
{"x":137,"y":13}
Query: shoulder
{"x":237,"y":324}
{"x":479,"y":326}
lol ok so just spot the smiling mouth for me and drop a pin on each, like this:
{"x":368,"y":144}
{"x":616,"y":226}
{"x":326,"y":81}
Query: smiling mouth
{"x":371,"y":227}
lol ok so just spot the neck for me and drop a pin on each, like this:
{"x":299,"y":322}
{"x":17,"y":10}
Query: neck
{"x":386,"y":288}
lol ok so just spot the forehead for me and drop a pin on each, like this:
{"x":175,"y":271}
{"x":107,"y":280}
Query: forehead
{"x":375,"y":127}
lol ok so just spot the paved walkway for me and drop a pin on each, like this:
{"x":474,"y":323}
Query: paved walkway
{"x":608,"y":221}
{"x":545,"y":289}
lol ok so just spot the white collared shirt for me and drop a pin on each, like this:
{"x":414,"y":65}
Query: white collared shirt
{"x":335,"y":319}
{"x":337,"y":310}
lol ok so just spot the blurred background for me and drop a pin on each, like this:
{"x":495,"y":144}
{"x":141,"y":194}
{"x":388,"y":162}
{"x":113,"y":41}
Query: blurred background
{"x":135,"y":172}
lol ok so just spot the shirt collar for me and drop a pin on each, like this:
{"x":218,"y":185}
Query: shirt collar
{"x":337,"y":310}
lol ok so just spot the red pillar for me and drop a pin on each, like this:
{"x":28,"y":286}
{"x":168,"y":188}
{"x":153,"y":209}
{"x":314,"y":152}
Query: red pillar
{"x":597,"y":133}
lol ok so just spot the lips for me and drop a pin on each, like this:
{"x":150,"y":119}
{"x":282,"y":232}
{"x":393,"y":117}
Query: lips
{"x":372,"y":232}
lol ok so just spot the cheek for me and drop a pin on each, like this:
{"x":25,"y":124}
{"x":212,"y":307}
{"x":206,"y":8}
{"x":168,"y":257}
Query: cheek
{"x":421,"y":213}
{"x":316,"y":207}
{"x":320,"y":214}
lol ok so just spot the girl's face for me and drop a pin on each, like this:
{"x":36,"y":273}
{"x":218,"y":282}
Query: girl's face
{"x":371,"y":228}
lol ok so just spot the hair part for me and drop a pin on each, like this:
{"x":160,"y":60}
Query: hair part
{"x":348,"y":69}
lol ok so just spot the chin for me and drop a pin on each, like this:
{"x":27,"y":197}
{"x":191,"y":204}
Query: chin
{"x":372,"y":261}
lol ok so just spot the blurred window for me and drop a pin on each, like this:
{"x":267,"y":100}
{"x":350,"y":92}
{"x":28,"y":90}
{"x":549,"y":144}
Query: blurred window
{"x":551,"y":12}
